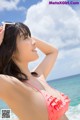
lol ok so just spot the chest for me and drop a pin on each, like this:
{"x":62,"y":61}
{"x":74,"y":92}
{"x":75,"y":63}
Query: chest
{"x":41,"y":85}
{"x":38,"y":104}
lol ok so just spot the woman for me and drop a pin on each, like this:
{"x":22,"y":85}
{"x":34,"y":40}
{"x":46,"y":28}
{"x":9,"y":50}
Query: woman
{"x":27,"y":93}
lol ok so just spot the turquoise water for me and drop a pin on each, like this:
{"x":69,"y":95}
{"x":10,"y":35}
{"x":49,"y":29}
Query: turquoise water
{"x":68,"y":85}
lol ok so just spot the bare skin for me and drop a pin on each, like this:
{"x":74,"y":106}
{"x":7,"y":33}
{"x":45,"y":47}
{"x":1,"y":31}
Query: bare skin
{"x":64,"y":117}
{"x":33,"y":107}
{"x":42,"y":85}
{"x":25,"y":101}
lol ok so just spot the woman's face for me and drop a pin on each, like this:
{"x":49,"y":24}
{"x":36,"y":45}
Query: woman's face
{"x":25,"y":50}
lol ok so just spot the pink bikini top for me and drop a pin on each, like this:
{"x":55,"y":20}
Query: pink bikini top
{"x":56,"y":108}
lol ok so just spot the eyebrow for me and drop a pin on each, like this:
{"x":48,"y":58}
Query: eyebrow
{"x":24,"y":34}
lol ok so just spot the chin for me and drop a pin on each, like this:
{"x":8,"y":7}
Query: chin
{"x":35,"y":58}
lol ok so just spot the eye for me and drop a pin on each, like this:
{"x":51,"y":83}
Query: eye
{"x":25,"y":37}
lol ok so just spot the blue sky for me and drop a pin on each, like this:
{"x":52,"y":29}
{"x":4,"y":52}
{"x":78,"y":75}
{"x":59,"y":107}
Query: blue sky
{"x":58,"y":25}
{"x":13,"y":13}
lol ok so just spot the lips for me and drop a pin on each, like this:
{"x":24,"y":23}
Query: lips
{"x":34,"y":50}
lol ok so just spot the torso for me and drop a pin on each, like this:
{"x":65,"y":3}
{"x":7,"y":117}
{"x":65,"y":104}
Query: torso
{"x":42,"y":85}
{"x":26,"y":102}
{"x":38,"y":104}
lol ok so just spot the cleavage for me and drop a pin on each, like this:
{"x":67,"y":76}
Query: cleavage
{"x":41,"y":87}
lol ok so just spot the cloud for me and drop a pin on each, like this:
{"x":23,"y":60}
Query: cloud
{"x":58,"y":25}
{"x":72,"y":54}
{"x":10,"y":5}
{"x":68,"y":63}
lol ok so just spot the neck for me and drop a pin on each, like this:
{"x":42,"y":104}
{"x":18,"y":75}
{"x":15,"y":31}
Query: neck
{"x":24,"y":69}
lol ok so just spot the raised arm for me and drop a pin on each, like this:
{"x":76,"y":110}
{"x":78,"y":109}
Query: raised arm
{"x":51,"y":53}
{"x":17,"y":95}
{"x":10,"y":83}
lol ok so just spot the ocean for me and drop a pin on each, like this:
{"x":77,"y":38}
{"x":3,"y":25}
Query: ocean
{"x":68,"y":85}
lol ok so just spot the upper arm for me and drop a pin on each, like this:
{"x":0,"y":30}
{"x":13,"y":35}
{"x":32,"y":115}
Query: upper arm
{"x":4,"y":86}
{"x":46,"y":65}
{"x":9,"y":85}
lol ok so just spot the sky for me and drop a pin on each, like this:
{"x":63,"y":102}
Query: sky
{"x":58,"y":25}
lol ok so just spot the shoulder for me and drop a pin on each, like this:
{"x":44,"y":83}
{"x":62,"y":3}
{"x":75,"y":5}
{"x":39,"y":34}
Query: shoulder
{"x":12,"y":85}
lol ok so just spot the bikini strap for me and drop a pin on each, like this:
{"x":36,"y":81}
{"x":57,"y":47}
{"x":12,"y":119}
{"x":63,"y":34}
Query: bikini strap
{"x":35,"y":87}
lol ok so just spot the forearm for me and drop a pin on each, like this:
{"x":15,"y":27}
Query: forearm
{"x":45,"y":47}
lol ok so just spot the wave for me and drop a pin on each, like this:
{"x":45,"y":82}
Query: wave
{"x":73,"y":112}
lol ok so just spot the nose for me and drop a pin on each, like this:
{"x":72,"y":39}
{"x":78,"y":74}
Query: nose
{"x":33,"y":42}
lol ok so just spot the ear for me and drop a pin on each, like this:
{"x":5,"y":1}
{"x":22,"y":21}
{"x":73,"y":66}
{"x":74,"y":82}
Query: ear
{"x":13,"y":56}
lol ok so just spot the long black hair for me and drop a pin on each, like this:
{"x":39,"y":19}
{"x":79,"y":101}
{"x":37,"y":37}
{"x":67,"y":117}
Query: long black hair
{"x":8,"y":46}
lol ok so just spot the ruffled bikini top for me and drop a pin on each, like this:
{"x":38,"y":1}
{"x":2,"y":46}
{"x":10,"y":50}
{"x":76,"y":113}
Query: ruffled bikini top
{"x":55,"y":107}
